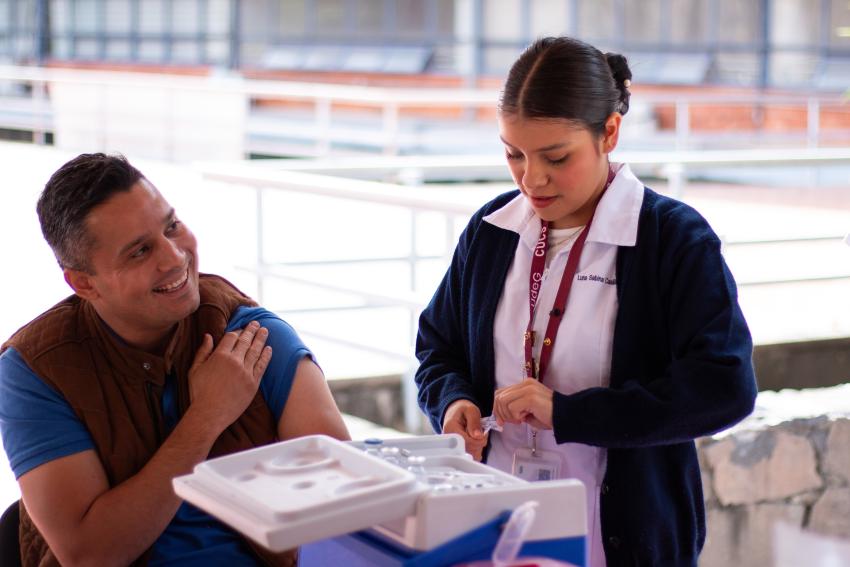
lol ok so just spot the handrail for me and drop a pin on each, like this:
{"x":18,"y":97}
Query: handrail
{"x":392,"y":101}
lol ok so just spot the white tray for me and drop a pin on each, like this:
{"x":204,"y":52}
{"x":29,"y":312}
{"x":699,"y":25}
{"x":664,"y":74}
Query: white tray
{"x":296,"y":492}
{"x":441,"y":515}
{"x":290,"y":493}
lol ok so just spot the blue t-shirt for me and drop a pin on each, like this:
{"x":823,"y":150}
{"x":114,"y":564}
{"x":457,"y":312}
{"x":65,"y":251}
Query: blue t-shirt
{"x":39,"y":426}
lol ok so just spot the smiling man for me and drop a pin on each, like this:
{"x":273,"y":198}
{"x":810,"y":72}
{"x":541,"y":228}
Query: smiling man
{"x":147,"y":370}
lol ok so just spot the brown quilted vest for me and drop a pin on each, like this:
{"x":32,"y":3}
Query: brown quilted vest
{"x":116,"y":390}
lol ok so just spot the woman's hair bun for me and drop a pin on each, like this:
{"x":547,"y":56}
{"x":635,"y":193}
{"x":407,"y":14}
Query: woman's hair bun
{"x":622,"y":78}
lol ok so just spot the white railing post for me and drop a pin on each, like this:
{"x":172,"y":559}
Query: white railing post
{"x":813,"y":122}
{"x":323,"y":126}
{"x":391,"y":126}
{"x":683,"y":124}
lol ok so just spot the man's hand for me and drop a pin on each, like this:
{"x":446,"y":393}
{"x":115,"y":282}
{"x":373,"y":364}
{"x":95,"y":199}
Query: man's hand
{"x":527,"y":402}
{"x":224,"y":380}
{"x":464,"y":417}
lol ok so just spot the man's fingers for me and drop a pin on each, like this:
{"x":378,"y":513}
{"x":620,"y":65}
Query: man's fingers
{"x":204,"y":350}
{"x":246,"y":338}
{"x":256,"y":347}
{"x":227,"y":341}
{"x":262,"y":362}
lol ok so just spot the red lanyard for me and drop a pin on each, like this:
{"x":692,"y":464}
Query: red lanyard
{"x":538,"y":262}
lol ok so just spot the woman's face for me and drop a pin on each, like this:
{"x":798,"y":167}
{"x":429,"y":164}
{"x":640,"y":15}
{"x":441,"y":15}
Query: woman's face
{"x":560,"y":167}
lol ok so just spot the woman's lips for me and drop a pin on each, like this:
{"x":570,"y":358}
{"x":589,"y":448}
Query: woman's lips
{"x":542,"y":202}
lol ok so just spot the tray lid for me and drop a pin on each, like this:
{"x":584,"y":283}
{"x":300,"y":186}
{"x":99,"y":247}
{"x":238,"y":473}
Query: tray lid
{"x":447,"y":444}
{"x":293,"y":492}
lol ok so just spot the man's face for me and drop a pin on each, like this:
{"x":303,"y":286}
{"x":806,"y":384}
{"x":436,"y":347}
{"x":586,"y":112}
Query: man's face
{"x":144,"y":263}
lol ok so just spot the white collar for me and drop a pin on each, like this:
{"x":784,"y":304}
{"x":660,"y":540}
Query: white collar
{"x":615,"y":221}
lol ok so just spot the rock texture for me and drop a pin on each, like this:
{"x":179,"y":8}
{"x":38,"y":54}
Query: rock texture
{"x":788,"y":462}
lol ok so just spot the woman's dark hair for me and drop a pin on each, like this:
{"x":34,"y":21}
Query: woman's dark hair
{"x":562,"y":77}
{"x":70,"y":194}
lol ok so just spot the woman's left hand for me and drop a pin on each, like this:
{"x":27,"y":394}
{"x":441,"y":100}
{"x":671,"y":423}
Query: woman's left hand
{"x":527,"y":402}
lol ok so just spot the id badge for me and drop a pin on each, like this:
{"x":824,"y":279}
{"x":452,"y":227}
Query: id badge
{"x":537,"y":465}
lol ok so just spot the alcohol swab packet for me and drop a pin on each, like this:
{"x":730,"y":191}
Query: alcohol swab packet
{"x":489,"y":422}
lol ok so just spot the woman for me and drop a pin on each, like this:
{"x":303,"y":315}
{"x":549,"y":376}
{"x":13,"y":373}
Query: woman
{"x":594,"y":318}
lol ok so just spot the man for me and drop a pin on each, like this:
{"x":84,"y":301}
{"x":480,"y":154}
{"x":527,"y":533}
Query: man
{"x":147,"y":370}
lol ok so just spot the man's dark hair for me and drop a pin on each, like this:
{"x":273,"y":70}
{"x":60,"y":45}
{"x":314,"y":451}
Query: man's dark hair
{"x":564,"y":78}
{"x":72,"y":192}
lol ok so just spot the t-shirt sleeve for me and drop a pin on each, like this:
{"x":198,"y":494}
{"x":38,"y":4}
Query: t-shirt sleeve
{"x":287,"y":352}
{"x":36,"y":422}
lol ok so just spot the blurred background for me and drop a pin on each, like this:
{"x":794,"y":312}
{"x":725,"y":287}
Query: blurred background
{"x":327,"y":153}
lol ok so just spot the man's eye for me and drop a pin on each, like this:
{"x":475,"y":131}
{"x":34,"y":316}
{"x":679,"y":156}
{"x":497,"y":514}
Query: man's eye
{"x":140,"y":252}
{"x":173,"y":226}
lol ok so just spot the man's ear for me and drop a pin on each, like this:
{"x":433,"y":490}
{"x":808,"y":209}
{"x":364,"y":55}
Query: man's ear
{"x":81,"y":283}
{"x":612,"y":132}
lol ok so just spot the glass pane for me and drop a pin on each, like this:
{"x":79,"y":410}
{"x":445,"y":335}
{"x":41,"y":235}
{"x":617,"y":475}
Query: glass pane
{"x":118,"y":50}
{"x":118,"y":15}
{"x":643,"y":21}
{"x":689,"y":21}
{"x":550,"y":17}
{"x":596,"y":20}
{"x":185,"y":52}
{"x":839,"y":35}
{"x":218,"y":16}
{"x":410,"y":17}
{"x":293,"y":18}
{"x":85,"y":16}
{"x":330,"y":16}
{"x":218,"y":52}
{"x":26,"y":15}
{"x":4,"y":15}
{"x":792,"y":69}
{"x":370,"y":16}
{"x":738,"y":21}
{"x":59,"y":20}
{"x":497,"y":60}
{"x":151,"y":16}
{"x":151,"y":51}
{"x":185,"y":17}
{"x":502,"y":20}
{"x":86,"y":49}
{"x":794,"y":23}
{"x":60,"y":48}
{"x":736,"y":69}
{"x":446,"y":17}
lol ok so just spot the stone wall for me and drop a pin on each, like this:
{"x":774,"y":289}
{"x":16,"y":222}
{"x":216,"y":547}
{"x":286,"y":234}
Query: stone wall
{"x":789,"y":461}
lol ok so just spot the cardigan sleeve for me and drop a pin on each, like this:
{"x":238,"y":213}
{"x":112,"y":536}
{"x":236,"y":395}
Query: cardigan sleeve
{"x":707,"y":383}
{"x":444,"y":373}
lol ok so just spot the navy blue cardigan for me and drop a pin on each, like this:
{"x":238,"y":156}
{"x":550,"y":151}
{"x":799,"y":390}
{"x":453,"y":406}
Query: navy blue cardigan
{"x":681,"y":368}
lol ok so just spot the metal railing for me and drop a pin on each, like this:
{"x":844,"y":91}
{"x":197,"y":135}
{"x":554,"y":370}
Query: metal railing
{"x":328,"y":125}
{"x":312,"y":178}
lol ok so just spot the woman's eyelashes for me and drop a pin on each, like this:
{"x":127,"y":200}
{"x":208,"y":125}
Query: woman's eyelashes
{"x":549,"y":160}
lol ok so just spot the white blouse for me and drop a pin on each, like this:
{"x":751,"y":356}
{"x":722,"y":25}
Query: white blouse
{"x":582,"y":355}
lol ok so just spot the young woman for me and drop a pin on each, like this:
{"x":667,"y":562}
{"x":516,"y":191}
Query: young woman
{"x":592,"y":317}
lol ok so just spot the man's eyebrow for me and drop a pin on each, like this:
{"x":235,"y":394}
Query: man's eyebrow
{"x":136,"y":241}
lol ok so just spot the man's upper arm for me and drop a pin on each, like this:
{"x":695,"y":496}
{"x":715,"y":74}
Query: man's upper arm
{"x":310,"y":408}
{"x":36,"y":422}
{"x":49,"y":449}
{"x":293,"y":385}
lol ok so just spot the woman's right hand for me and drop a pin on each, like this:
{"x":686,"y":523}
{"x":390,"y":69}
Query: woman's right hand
{"x":464,"y":418}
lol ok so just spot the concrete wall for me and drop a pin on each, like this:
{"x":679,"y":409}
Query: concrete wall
{"x":789,"y":461}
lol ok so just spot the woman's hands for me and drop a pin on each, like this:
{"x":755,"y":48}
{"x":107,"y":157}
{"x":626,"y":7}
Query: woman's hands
{"x":464,"y":418}
{"x":527,"y":402}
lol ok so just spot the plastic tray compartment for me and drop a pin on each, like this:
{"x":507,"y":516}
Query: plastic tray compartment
{"x":443,"y":513}
{"x":294,"y":492}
